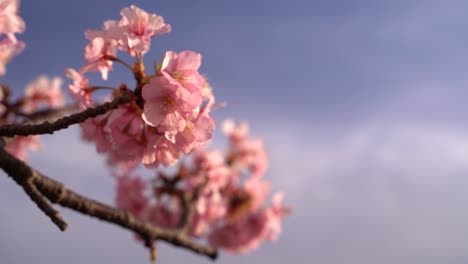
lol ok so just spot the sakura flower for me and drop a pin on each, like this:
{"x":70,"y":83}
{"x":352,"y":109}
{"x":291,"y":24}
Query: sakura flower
{"x":242,"y":236}
{"x":18,"y":146}
{"x":235,"y":130}
{"x":79,"y":89}
{"x":124,"y":130}
{"x":43,"y":91}
{"x":93,"y":130}
{"x":245,"y":152}
{"x":275,"y":213}
{"x":8,"y":49}
{"x":140,"y":27}
{"x":258,"y":190}
{"x":166,"y":103}
{"x":96,"y":54}
{"x":196,"y":132}
{"x":161,"y":153}
{"x":111,"y":33}
{"x":247,"y":233}
{"x":131,"y":197}
{"x":167,"y":213}
{"x":10,"y":22}
{"x":183,"y":67}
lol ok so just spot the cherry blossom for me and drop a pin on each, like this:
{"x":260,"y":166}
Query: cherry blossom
{"x":43,"y":91}
{"x":8,"y":49}
{"x":79,"y":89}
{"x":10,"y":22}
{"x":140,"y":27}
{"x":97,"y":54}
{"x":131,"y":197}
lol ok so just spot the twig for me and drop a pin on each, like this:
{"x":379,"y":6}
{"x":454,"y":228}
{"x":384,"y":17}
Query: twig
{"x":12,"y":130}
{"x":24,"y":177}
{"x":45,"y":207}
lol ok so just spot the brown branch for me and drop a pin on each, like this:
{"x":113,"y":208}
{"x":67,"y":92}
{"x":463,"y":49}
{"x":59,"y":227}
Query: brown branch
{"x":12,"y":130}
{"x":45,"y":207}
{"x":57,"y":193}
{"x":24,"y":177}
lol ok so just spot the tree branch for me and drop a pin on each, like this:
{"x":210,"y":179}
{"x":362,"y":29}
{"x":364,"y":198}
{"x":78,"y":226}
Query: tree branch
{"x":24,"y":177}
{"x":56,"y":192}
{"x":12,"y":130}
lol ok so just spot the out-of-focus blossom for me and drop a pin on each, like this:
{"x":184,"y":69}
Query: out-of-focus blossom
{"x":10,"y":22}
{"x":247,"y":233}
{"x":244,"y":152}
{"x":93,"y":130}
{"x":18,"y":146}
{"x":131,"y":195}
{"x":43,"y":91}
{"x":8,"y":49}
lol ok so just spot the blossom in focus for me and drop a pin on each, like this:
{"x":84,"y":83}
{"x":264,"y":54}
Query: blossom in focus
{"x":10,"y":22}
{"x":43,"y":91}
{"x":167,"y":103}
{"x":133,"y":32}
{"x":140,"y":27}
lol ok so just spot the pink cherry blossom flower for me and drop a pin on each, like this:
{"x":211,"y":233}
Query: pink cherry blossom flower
{"x":18,"y":146}
{"x":258,"y":190}
{"x":10,"y":22}
{"x":196,"y":133}
{"x":162,"y":153}
{"x":275,"y":214}
{"x":9,"y":49}
{"x":96,"y":54}
{"x":111,"y":33}
{"x":183,"y":67}
{"x":79,"y":89}
{"x":140,"y":27}
{"x":241,"y":236}
{"x":167,"y":213}
{"x":124,"y":130}
{"x":43,"y":91}
{"x":166,"y":104}
{"x":247,"y":233}
{"x":131,"y":196}
{"x":235,"y":130}
{"x":244,"y":152}
{"x":93,"y":130}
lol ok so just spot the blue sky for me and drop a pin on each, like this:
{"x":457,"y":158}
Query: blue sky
{"x":362,"y":105}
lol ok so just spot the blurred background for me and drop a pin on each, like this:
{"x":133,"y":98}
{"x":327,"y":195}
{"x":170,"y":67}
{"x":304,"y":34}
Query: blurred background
{"x":362,"y":105}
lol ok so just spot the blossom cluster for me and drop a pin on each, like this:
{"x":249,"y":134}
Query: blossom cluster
{"x":227,"y":193}
{"x":172,"y":117}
